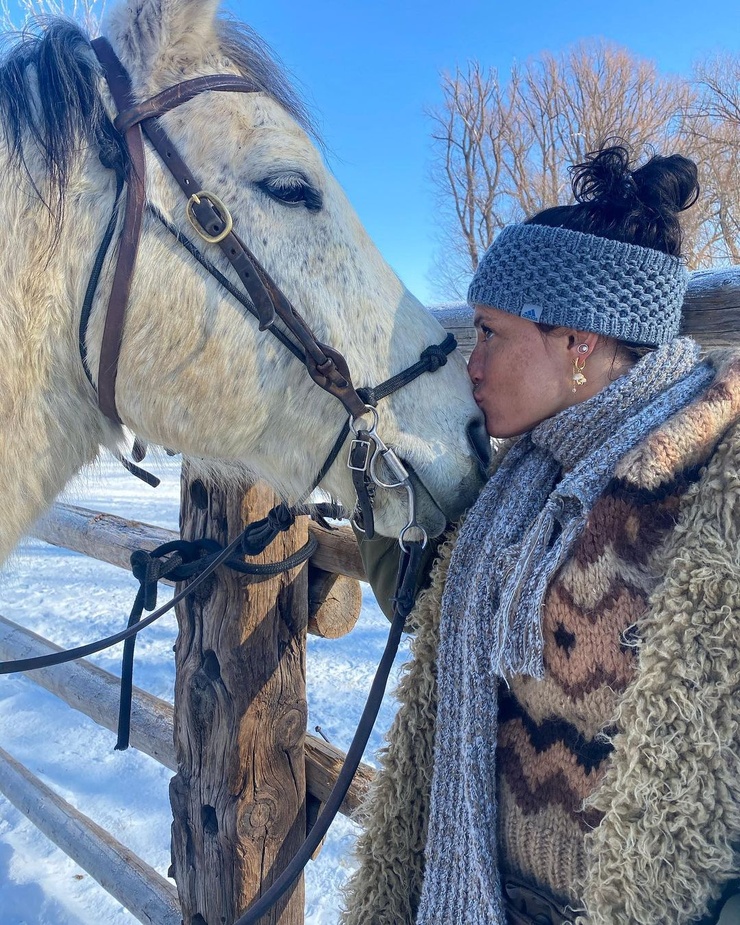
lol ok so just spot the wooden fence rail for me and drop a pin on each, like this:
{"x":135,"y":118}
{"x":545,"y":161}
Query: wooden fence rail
{"x":138,"y":887}
{"x":93,"y":691}
{"x":112,"y":539}
{"x":240,"y":691}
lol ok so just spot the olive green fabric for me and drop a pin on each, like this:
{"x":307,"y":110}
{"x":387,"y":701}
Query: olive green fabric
{"x":380,"y":557}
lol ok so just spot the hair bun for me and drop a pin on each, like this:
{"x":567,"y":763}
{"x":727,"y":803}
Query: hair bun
{"x":605,"y":177}
{"x":639,"y":205}
{"x":667,"y":184}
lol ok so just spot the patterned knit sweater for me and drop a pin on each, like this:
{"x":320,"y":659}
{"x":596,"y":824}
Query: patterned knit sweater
{"x":552,"y":749}
{"x":619,"y":773}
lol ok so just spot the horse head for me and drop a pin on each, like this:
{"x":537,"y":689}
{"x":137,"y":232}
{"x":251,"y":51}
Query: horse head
{"x":195,"y":373}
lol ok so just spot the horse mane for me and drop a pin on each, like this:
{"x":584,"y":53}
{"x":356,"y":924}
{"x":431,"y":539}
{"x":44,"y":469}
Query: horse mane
{"x":49,"y":93}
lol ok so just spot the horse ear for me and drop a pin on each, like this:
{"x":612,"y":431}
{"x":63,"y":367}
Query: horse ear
{"x":152,"y":35}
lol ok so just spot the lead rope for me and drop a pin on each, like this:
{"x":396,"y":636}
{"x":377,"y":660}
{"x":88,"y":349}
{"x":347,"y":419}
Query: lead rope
{"x":249,"y":541}
{"x":180,"y":560}
{"x":360,"y":459}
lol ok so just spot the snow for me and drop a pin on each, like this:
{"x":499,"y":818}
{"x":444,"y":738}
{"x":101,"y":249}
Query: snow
{"x":71,"y":599}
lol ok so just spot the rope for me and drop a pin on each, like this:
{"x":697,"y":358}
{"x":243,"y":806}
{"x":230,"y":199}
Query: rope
{"x":92,"y":284}
{"x":430,"y":360}
{"x":201,"y":569}
{"x":180,"y":560}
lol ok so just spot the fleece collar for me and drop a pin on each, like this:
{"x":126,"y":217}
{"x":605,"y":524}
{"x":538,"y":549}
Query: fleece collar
{"x":688,"y":438}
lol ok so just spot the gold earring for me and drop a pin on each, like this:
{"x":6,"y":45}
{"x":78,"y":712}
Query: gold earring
{"x":578,"y":377}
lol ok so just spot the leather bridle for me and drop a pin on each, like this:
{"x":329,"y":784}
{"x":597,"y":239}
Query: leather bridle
{"x":372,"y":463}
{"x":213,"y":223}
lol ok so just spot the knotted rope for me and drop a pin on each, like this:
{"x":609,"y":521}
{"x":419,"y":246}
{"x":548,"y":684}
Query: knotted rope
{"x":181,"y":560}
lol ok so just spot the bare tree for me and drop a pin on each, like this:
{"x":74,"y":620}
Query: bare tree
{"x":504,"y":147}
{"x":88,"y":13}
{"x":713,"y":133}
{"x":469,"y":132}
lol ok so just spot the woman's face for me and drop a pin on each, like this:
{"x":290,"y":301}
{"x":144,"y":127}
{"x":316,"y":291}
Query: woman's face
{"x":519,"y":376}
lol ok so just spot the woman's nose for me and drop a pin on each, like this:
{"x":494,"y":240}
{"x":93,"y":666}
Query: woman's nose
{"x":474,"y":367}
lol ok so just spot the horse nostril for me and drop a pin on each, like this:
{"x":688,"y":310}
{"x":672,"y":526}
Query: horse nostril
{"x":480,"y":443}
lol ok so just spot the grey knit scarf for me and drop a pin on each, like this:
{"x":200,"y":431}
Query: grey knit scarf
{"x":514,"y":539}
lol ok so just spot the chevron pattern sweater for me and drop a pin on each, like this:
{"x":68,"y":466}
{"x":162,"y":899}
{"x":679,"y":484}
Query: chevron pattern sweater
{"x":620,"y":778}
{"x":554,"y":733}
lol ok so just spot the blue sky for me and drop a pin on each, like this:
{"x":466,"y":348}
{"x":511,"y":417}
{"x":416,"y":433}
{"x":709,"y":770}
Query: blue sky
{"x":370,"y":69}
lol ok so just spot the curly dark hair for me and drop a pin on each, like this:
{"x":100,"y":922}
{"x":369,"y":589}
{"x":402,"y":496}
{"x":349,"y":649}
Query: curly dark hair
{"x":639,"y":206}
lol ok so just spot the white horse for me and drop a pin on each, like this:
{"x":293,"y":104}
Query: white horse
{"x":195,"y":374}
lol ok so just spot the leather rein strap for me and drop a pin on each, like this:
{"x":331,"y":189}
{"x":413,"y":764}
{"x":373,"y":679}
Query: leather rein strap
{"x":210,"y":218}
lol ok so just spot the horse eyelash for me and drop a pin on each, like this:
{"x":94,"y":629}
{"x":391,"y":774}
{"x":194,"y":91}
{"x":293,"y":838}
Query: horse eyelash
{"x":273,"y":186}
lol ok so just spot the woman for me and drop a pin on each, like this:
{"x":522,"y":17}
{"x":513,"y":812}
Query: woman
{"x":598,"y":575}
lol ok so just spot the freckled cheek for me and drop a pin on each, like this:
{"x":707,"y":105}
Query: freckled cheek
{"x":496,"y":373}
{"x":497,"y":394}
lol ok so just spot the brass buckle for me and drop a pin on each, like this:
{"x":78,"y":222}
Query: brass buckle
{"x":220,"y":208}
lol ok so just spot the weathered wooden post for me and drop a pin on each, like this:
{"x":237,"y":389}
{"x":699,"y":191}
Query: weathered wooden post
{"x":239,"y":796}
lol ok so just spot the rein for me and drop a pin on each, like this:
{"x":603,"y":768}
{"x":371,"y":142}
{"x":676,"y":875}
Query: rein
{"x":371,"y":461}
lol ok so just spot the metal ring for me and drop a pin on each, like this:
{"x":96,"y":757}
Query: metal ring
{"x":368,"y":410}
{"x":412,"y":526}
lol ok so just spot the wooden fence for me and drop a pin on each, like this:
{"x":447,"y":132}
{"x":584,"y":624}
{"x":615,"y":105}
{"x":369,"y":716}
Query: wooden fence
{"x":332,"y":605}
{"x":248,"y":780}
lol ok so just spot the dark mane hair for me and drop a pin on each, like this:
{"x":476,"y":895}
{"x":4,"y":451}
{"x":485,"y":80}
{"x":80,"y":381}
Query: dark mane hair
{"x":50,"y":98}
{"x":635,"y":206}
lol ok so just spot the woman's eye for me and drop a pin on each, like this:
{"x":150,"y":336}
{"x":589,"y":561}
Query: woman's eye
{"x":486,"y":332}
{"x":292,"y":190}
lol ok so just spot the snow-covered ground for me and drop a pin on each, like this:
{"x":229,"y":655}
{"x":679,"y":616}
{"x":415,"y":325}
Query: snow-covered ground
{"x":71,"y":599}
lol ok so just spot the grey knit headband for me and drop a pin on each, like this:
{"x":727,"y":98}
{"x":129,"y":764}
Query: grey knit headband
{"x":563,"y":277}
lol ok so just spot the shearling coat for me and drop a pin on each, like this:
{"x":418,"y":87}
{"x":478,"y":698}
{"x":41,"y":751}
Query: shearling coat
{"x":667,"y":844}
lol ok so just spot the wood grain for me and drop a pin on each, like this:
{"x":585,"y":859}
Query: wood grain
{"x":239,"y":797}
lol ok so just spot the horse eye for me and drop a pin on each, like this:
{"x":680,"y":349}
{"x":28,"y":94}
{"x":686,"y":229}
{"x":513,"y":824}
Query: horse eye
{"x":292,"y":189}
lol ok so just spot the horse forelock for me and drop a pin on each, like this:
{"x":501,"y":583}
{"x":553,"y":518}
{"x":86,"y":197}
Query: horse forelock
{"x":248,"y":52}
